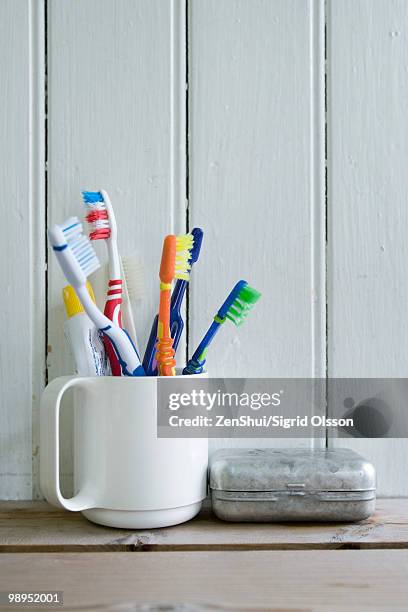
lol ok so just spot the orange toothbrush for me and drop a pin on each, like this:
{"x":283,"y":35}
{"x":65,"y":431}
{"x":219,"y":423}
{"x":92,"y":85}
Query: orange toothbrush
{"x":174,"y":264}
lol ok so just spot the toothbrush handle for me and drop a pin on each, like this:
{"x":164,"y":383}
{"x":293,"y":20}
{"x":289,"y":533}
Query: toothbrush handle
{"x":124,"y":348}
{"x":165,"y":352}
{"x":114,"y":301}
{"x":176,"y":328}
{"x":165,"y":356}
{"x":178,"y":294}
{"x":195,"y":365}
{"x":112,"y":311}
{"x":176,"y":320}
{"x":149,"y":359}
{"x":113,"y":360}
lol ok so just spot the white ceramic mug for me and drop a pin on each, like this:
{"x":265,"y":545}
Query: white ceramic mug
{"x":124,"y":475}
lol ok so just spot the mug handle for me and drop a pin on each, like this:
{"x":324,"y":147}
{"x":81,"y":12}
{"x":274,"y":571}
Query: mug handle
{"x":49,"y":446}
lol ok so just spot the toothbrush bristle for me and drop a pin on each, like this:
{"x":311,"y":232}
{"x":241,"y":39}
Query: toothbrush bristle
{"x":134,"y":276}
{"x":92,"y":197}
{"x":97,"y":217}
{"x":184,"y":246}
{"x":71,"y":228}
{"x":80,"y":245}
{"x":242,"y":305}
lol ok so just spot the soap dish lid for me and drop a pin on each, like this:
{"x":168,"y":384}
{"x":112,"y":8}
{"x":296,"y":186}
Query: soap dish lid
{"x":288,"y":469}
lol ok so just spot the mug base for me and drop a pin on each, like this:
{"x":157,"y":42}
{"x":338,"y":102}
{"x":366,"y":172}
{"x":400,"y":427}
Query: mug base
{"x":142,"y":519}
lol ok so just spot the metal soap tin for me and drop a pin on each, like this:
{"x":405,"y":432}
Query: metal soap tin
{"x":259,"y":485}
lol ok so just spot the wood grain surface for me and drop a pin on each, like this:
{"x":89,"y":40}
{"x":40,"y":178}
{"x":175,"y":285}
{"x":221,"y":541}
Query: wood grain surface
{"x":39,"y":527}
{"x":304,"y":580}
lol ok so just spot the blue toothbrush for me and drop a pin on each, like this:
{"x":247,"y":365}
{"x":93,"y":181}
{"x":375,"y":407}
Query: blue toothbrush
{"x":235,"y":308}
{"x":176,"y":320}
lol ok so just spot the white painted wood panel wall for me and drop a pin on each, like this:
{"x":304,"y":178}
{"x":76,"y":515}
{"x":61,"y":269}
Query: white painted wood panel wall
{"x":22,"y":311}
{"x":116,"y":98}
{"x":368,"y":210}
{"x":256,"y":182}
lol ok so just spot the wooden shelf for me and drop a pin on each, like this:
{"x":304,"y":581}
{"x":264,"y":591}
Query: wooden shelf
{"x":300,"y":580}
{"x":39,"y":527}
{"x":207,"y":564}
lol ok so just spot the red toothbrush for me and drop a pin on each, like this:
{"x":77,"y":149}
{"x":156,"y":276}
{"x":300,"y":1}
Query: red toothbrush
{"x":102,"y":222}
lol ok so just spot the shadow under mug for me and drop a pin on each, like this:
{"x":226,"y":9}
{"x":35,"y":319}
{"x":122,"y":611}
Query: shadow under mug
{"x":124,"y":475}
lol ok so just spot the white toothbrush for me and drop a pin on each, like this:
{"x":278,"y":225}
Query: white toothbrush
{"x":134,"y":290}
{"x":78,"y":260}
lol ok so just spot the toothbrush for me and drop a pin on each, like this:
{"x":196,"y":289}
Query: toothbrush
{"x":235,"y":308}
{"x":78,"y":260}
{"x":174,"y":264}
{"x":176,"y":321}
{"x":134,"y":290}
{"x":102,"y":223}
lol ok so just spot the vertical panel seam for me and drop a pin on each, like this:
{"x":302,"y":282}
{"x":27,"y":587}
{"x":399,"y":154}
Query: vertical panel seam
{"x":179,"y":214}
{"x":177,"y":116}
{"x":187,"y":84}
{"x":318,"y":190}
{"x":326,"y":203}
{"x":38,"y":278}
{"x":46,"y":179}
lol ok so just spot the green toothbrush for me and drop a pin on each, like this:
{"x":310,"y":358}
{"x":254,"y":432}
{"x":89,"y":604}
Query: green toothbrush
{"x":235,"y":308}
